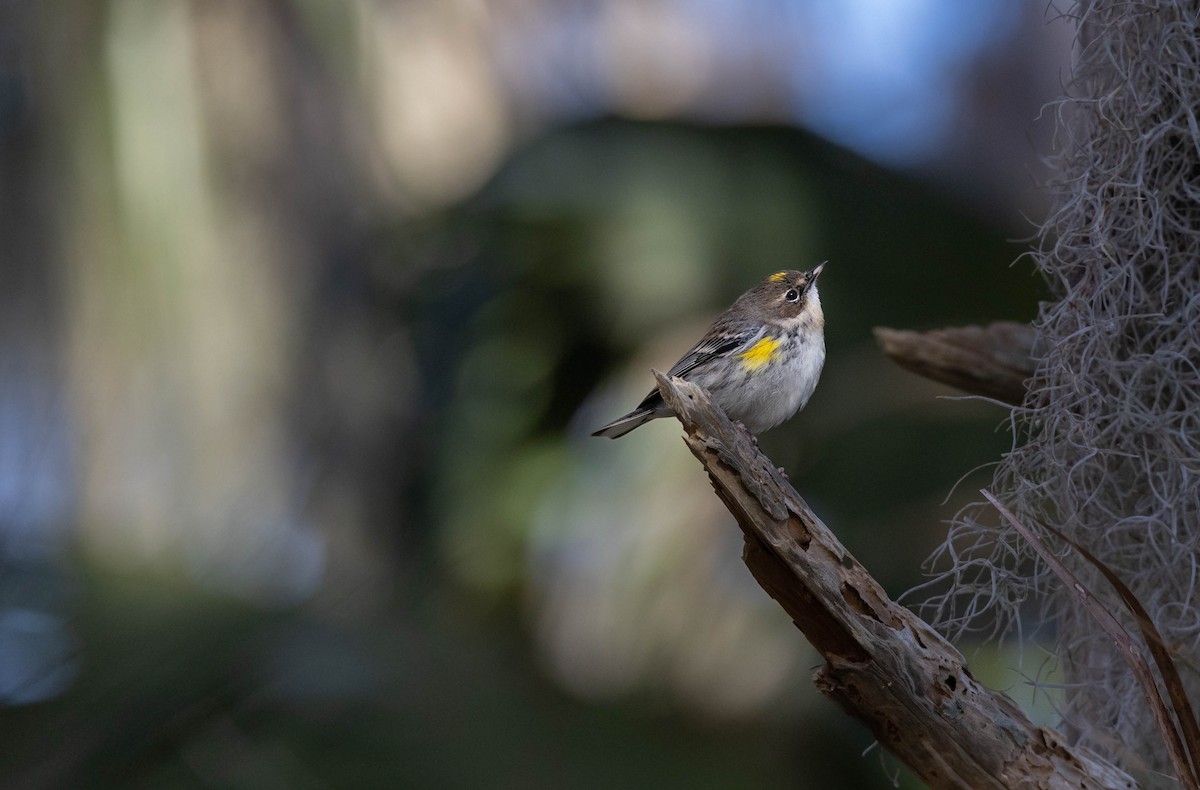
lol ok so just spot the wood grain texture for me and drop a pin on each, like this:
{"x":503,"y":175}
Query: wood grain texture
{"x":883,"y":664}
{"x":994,"y":360}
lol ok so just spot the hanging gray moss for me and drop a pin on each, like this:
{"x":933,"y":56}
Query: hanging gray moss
{"x":1108,"y":442}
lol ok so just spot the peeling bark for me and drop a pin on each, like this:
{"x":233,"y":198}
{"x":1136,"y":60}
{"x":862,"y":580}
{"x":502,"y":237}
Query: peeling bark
{"x":883,"y":664}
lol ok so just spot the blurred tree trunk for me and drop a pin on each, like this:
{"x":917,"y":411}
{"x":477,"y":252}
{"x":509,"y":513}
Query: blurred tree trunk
{"x":36,"y":481}
{"x":216,"y":231}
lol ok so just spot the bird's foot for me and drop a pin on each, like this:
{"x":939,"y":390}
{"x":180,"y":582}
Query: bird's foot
{"x":742,"y":425}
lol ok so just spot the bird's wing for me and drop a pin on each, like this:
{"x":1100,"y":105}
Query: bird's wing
{"x":719,"y":342}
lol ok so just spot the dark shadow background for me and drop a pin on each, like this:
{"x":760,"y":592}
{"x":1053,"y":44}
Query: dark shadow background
{"x":309,"y":309}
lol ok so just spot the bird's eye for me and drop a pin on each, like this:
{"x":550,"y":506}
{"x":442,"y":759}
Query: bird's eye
{"x":792,"y":295}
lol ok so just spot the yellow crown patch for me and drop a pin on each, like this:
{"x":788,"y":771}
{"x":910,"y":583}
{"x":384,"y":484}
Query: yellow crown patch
{"x":778,"y":277}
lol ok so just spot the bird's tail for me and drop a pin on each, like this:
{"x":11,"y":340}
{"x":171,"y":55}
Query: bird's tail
{"x":624,"y":425}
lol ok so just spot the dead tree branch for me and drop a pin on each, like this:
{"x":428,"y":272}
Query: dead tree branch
{"x":883,"y":664}
{"x":993,"y":360}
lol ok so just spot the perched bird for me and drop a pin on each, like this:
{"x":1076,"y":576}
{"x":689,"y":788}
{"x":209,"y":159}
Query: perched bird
{"x":760,"y":360}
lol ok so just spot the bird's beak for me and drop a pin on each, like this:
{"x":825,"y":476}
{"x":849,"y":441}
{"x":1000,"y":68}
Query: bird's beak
{"x":816,"y":272}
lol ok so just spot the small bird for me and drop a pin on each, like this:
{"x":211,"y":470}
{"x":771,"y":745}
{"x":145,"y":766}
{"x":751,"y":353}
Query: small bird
{"x":760,"y":360}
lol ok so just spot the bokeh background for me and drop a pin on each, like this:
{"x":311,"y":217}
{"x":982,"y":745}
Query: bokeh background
{"x":308,"y":309}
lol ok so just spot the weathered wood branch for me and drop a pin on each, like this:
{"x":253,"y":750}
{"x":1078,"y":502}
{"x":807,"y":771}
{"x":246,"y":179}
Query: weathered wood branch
{"x":993,"y":360}
{"x":883,"y":664}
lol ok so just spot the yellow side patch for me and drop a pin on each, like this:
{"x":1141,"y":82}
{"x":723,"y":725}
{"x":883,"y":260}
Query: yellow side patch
{"x":778,"y":277}
{"x":761,"y":353}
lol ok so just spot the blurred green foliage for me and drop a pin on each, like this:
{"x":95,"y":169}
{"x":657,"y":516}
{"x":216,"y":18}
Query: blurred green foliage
{"x":296,"y":381}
